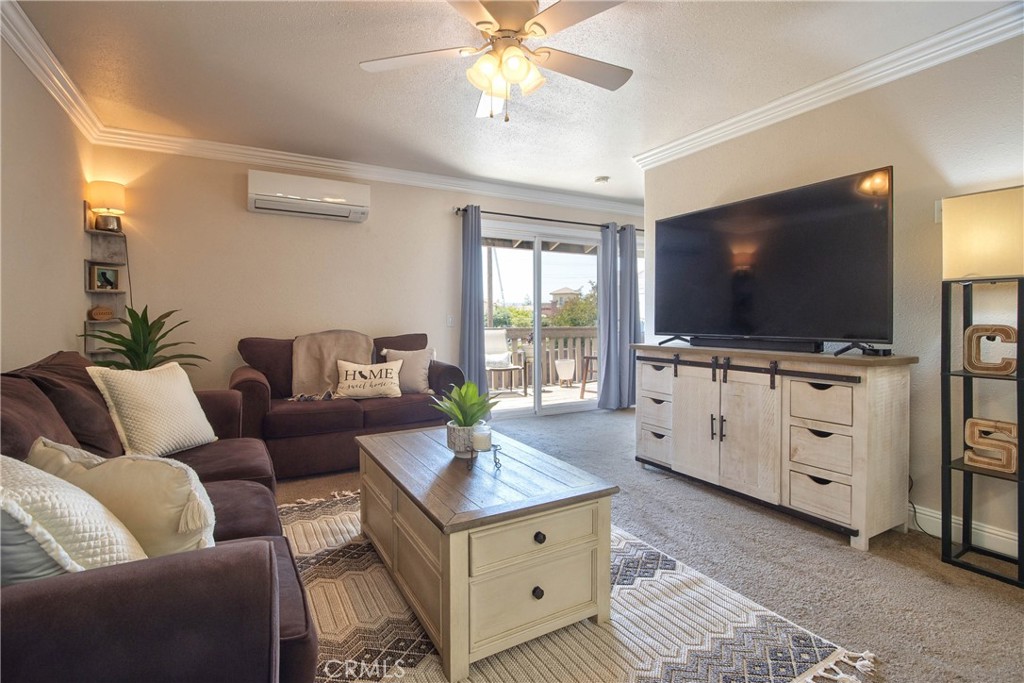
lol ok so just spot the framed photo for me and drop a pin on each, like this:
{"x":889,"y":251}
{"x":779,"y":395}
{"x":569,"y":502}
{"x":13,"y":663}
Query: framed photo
{"x":104,"y":277}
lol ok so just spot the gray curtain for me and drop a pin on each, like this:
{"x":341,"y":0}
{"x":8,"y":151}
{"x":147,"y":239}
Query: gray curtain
{"x":608,"y":392}
{"x":471,"y":340}
{"x":629,"y":315}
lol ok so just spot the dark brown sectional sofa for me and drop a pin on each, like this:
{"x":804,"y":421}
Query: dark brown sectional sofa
{"x":234,"y":612}
{"x":312,"y":437}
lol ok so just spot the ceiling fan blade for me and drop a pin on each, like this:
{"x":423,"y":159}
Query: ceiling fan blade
{"x":489,"y":105}
{"x":414,"y":59}
{"x":564,"y":14}
{"x":602,"y":74}
{"x":476,"y":14}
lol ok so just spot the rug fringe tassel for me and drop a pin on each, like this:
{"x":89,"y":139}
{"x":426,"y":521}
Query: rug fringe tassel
{"x":864,"y":662}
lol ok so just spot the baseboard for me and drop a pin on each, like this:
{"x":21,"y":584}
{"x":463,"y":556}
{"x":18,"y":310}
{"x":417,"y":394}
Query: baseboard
{"x":985,"y":535}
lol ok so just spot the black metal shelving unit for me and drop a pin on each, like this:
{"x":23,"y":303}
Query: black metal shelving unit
{"x":954,"y":553}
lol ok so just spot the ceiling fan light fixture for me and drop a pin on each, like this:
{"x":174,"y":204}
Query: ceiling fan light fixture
{"x":483,"y":72}
{"x":533,"y":80}
{"x":514,"y":66}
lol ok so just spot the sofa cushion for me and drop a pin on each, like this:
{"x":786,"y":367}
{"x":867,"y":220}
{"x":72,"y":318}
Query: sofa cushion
{"x":298,"y":654}
{"x":65,"y":381}
{"x":302,"y":418}
{"x":159,"y":500}
{"x":156,"y":412}
{"x":356,"y":380}
{"x":27,"y":414}
{"x":272,"y":357}
{"x":69,"y":525}
{"x":401,"y":410}
{"x":414,"y":377}
{"x":402,"y":342}
{"x":245,"y":459}
{"x":244,"y":509}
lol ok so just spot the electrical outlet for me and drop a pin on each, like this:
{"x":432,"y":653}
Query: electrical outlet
{"x":450,"y":320}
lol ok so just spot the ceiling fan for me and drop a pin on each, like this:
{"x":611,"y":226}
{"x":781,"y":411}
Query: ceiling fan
{"x":504,"y":58}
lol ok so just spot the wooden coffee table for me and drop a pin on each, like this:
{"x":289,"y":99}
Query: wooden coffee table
{"x":487,"y":557}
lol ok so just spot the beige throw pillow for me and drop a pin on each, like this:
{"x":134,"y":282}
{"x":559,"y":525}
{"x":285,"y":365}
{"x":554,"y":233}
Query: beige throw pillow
{"x":415,"y":375}
{"x":369,"y":381}
{"x":74,"y":530}
{"x":156,"y":412}
{"x":161,"y":501}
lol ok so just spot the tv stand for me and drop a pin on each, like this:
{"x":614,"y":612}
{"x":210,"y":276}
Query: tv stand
{"x":794,"y":345}
{"x":866,"y":349}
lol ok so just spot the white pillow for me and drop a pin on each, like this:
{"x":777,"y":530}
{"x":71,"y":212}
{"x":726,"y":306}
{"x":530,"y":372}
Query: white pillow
{"x":502,"y":359}
{"x":71,"y":527}
{"x":156,"y":412}
{"x":369,"y":381}
{"x":161,"y":501}
{"x":414,"y":377}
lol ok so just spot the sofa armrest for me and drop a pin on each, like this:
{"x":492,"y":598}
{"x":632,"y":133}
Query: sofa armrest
{"x":203,"y":615}
{"x":223,"y":408}
{"x":441,"y":376}
{"x":255,"y":399}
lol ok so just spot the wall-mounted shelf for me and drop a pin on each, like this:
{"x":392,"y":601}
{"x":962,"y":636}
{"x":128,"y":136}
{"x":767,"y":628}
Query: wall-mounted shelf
{"x":108,"y":249}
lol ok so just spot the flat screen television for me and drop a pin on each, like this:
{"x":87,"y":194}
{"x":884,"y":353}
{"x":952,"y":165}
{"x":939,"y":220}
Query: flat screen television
{"x":788,"y":270}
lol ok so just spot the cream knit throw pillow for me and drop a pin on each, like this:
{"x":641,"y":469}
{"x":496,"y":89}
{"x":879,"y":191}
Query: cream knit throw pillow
{"x":161,"y":501}
{"x":71,"y":527}
{"x":156,"y":412}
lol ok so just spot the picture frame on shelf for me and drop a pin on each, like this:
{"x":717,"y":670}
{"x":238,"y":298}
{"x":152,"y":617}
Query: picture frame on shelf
{"x":102,"y":277}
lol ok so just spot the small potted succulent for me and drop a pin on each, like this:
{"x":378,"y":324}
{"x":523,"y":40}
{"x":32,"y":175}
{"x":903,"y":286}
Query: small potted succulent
{"x":466,"y":407}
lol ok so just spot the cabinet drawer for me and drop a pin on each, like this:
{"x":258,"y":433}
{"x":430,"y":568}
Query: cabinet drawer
{"x":420,"y":528}
{"x":379,"y":526}
{"x":825,"y":402}
{"x":654,"y":410}
{"x":421,"y":579}
{"x":489,"y":548}
{"x":656,"y":377}
{"x":377,"y":478}
{"x":833,"y":452}
{"x":655,"y":444}
{"x":506,"y":604}
{"x":820,"y":497}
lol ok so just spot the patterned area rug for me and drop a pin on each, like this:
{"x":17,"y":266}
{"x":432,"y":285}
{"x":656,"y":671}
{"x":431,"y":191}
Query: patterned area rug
{"x":669,"y":623}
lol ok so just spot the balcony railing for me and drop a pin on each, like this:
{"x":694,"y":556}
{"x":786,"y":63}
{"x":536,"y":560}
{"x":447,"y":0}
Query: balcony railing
{"x":555,"y":342}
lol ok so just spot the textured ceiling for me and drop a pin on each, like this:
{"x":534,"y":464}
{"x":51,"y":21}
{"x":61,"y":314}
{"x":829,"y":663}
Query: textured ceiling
{"x":285,"y":76}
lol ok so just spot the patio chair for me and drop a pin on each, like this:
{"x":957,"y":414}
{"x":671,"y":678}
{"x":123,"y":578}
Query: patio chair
{"x":498,"y":359}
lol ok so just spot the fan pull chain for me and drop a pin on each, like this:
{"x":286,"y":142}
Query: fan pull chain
{"x":508,"y":99}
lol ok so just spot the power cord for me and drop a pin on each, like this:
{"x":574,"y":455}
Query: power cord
{"x":914,"y":508}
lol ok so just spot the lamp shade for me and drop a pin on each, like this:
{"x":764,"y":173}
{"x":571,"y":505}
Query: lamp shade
{"x":983,"y":234}
{"x":106,"y":198}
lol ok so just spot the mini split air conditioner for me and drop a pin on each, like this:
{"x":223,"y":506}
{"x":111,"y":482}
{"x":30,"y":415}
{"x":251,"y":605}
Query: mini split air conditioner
{"x":293,"y":195}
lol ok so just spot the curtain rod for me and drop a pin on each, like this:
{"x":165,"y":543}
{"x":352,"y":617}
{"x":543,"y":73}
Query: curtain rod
{"x":459,"y":210}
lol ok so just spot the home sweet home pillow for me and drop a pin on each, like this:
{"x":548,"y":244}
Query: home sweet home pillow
{"x":156,"y":412}
{"x":161,"y":501}
{"x":369,"y":381}
{"x":50,"y":527}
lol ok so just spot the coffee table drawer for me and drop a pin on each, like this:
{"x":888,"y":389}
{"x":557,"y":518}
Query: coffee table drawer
{"x":378,"y":522}
{"x":537,"y":535}
{"x":372,"y":473}
{"x":509,"y":603}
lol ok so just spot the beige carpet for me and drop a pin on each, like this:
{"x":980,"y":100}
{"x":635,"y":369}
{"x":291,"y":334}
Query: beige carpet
{"x":927,"y":621}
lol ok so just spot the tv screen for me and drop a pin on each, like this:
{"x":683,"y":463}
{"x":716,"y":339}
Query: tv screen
{"x":812,"y":263}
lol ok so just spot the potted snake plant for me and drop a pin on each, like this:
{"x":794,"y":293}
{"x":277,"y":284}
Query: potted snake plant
{"x":141,"y":348}
{"x":466,"y":407}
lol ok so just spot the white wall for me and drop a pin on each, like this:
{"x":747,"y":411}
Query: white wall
{"x":42,"y":243}
{"x":953,"y":129}
{"x":193,"y":246}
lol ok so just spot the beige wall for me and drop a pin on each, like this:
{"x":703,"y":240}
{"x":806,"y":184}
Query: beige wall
{"x":42,"y":244}
{"x":193,"y":246}
{"x":953,"y":129}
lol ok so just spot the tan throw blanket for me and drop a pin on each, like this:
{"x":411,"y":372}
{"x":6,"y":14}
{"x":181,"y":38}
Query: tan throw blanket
{"x":315,"y":358}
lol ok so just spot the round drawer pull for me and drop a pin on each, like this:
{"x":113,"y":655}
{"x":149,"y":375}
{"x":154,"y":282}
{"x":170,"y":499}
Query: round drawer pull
{"x":537,"y":592}
{"x":539,"y":537}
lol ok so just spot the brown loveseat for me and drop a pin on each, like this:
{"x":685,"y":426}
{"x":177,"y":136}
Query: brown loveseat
{"x":234,"y":612}
{"x":311,"y":437}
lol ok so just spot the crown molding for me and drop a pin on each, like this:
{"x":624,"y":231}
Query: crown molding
{"x":996,"y":26}
{"x":21,"y":35}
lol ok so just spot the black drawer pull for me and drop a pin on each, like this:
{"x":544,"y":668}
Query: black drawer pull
{"x":657,"y":436}
{"x":820,"y":434}
{"x":656,"y":368}
{"x":818,"y":386}
{"x":539,"y":537}
{"x":657,"y":401}
{"x":537,"y":592}
{"x":819,"y":480}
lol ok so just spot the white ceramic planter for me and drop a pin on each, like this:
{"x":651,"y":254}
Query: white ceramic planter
{"x":460,"y":440}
